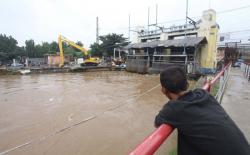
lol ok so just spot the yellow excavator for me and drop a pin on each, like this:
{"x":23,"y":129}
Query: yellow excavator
{"x":88,"y":60}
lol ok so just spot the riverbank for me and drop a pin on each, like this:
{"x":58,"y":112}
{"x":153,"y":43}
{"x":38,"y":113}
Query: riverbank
{"x":47,"y":70}
{"x":7,"y":72}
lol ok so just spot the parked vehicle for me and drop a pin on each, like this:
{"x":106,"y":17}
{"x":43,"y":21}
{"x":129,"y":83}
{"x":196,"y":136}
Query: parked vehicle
{"x":238,"y":63}
{"x":123,"y":66}
{"x":17,"y":65}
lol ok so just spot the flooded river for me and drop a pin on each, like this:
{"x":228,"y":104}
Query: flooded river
{"x":90,"y":113}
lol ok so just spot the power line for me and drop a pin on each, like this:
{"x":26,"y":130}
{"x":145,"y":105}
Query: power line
{"x":219,"y":12}
{"x":239,"y":31}
{"x":237,"y":35}
{"x":97,"y":30}
{"x":182,"y":19}
{"x":235,"y":9}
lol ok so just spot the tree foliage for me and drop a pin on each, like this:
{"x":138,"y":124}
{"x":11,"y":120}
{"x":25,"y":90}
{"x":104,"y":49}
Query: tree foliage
{"x":53,"y":47}
{"x":10,"y":50}
{"x":96,"y":50}
{"x":109,"y":42}
{"x":30,"y":48}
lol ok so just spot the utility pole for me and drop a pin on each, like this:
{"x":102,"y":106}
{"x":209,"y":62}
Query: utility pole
{"x":97,"y":30}
{"x":129,"y":28}
{"x":156,"y":14}
{"x":148,"y":18}
{"x":148,"y":26}
{"x":184,"y":52}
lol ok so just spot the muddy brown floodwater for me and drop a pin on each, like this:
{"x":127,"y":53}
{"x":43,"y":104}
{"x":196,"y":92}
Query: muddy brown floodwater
{"x":90,"y":113}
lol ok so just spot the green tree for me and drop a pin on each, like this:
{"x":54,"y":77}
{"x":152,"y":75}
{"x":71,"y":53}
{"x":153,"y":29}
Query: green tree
{"x":3,"y":56}
{"x":20,"y":51}
{"x":30,"y":48}
{"x":8,"y":48}
{"x":39,"y":50}
{"x":96,"y":50}
{"x":109,"y":42}
{"x":45,"y":49}
{"x":53,"y":47}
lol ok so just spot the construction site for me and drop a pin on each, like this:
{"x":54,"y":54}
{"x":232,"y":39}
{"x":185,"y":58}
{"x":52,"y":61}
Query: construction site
{"x":71,"y":99}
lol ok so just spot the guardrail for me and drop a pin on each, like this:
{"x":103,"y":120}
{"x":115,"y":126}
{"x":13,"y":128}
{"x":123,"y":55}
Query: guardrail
{"x":246,"y":68}
{"x":222,"y":76}
{"x":151,"y":144}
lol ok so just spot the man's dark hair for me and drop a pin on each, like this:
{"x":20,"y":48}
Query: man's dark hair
{"x":174,"y":79}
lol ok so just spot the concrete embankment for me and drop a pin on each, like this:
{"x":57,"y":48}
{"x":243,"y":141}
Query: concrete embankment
{"x":7,"y":72}
{"x":56,"y":70}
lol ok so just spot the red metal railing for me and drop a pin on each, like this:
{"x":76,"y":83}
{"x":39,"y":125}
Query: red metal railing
{"x":150,"y":145}
{"x":208,"y":84}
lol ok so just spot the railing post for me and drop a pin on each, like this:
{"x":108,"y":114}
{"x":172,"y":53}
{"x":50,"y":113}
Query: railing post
{"x":221,"y":87}
{"x":248,"y":72}
{"x":245,"y":72}
{"x":244,"y":68}
{"x":208,"y":82}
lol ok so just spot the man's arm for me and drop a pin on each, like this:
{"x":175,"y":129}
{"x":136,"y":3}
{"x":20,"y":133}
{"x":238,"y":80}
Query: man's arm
{"x":166,"y":115}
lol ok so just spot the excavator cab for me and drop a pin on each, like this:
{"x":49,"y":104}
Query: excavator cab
{"x":89,"y":61}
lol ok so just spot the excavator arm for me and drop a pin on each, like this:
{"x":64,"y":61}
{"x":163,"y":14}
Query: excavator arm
{"x":62,"y":39}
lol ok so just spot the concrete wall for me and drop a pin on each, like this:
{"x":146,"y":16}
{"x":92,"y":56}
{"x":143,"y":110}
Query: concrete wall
{"x":137,"y":65}
{"x":54,"y":60}
{"x":209,"y":29}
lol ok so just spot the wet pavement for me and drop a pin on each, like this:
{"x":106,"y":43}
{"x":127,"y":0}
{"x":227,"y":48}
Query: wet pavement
{"x":236,"y":100}
{"x":78,"y":113}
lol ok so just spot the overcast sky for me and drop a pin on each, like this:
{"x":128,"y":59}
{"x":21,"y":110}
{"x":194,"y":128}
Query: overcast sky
{"x":44,"y":20}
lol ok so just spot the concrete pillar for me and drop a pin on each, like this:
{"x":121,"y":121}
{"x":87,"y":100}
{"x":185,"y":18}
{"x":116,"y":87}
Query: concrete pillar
{"x":114,"y":54}
{"x":14,"y":62}
{"x":119,"y":53}
{"x":26,"y":62}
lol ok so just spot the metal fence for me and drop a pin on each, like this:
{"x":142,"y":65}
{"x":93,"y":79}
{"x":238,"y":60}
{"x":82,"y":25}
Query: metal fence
{"x":245,"y":67}
{"x":161,"y":62}
{"x":175,"y":58}
{"x":221,"y":84}
{"x":137,"y":63}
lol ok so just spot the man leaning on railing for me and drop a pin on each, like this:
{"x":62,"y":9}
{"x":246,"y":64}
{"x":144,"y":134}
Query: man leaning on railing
{"x":204,"y":128}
